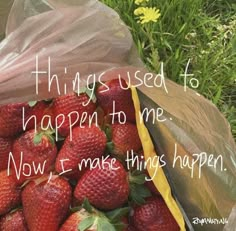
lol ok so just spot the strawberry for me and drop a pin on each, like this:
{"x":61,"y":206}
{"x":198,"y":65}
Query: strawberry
{"x":125,"y":138}
{"x":154,"y":215}
{"x":46,"y":204}
{"x":122,"y":98}
{"x":11,"y":117}
{"x":64,"y":105}
{"x":5,"y":149}
{"x":13,"y":221}
{"x":75,"y":219}
{"x":90,"y":219}
{"x":106,"y":187}
{"x":36,"y":150}
{"x":9,"y":193}
{"x":88,"y":142}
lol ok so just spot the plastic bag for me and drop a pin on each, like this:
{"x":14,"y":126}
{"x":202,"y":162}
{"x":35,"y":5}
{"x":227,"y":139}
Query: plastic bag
{"x":88,"y":37}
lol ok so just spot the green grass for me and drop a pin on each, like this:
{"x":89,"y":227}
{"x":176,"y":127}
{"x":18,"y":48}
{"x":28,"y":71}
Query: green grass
{"x":201,"y":30}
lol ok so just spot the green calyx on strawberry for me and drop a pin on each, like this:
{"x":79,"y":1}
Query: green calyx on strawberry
{"x":138,"y":191}
{"x":33,"y":103}
{"x":49,"y":135}
{"x":89,"y":92}
{"x":35,"y":149}
{"x":99,"y":221}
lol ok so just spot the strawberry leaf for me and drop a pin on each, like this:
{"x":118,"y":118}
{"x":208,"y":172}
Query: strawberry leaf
{"x":117,"y":214}
{"x":81,"y":90}
{"x":87,"y":206}
{"x":108,"y":132}
{"x":120,"y":226}
{"x":104,"y":224}
{"x":110,"y":146}
{"x":88,"y":92}
{"x":51,"y":139}
{"x":75,"y":209}
{"x":138,"y":193}
{"x":38,"y":138}
{"x":91,"y":95}
{"x":86,"y":223}
{"x":137,"y":177}
{"x":32,"y":103}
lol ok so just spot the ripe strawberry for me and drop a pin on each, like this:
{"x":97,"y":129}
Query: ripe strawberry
{"x":34,"y":149}
{"x":71,"y":224}
{"x":88,"y":142}
{"x":11,"y":117}
{"x":66,"y":104}
{"x":154,"y":215}
{"x":122,"y":98}
{"x":106,"y":187}
{"x":5,"y":149}
{"x":46,"y":204}
{"x":9,"y":193}
{"x":13,"y":221}
{"x":125,"y":138}
{"x":90,"y":219}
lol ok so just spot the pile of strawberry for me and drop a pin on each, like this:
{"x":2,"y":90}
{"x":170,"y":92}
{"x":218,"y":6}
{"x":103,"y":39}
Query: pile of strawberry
{"x":65,"y":197}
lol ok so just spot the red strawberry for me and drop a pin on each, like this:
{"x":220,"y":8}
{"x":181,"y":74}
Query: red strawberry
{"x":154,"y":215}
{"x":46,"y":204}
{"x":88,"y":142}
{"x":13,"y":221}
{"x":106,"y":187}
{"x":66,"y":104}
{"x":9,"y":193}
{"x":11,"y":117}
{"x":5,"y":149}
{"x":37,"y":150}
{"x":125,"y":138}
{"x":122,"y":98}
{"x":71,"y":224}
{"x":91,"y":219}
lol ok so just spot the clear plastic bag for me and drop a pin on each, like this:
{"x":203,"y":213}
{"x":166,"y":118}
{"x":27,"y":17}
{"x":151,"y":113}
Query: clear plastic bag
{"x":89,"y":37}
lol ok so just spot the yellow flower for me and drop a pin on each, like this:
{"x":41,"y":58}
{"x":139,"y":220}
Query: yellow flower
{"x":138,"y":2}
{"x":147,"y":14}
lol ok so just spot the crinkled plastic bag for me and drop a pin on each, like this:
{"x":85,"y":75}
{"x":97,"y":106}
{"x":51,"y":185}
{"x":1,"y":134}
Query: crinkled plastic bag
{"x":89,"y":37}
